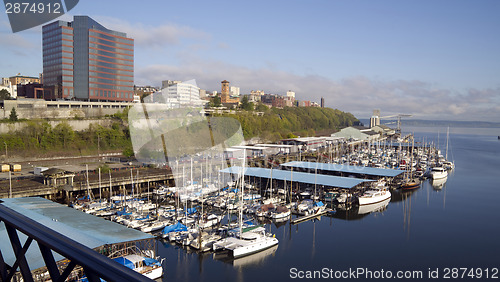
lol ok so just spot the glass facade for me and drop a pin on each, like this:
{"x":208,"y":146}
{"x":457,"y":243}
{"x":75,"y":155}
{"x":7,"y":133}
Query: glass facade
{"x":58,"y":60}
{"x":101,"y":60}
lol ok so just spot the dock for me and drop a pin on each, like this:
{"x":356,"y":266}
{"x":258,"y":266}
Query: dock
{"x":308,"y":217}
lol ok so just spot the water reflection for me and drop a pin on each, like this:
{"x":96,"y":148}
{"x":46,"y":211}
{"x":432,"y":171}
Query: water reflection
{"x":377,"y":207}
{"x":438,"y":184}
{"x":255,"y":259}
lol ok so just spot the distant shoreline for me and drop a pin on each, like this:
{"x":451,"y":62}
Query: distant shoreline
{"x":438,"y":123}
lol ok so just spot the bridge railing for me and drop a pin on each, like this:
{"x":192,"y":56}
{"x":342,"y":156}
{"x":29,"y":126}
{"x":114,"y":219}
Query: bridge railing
{"x":94,"y":265}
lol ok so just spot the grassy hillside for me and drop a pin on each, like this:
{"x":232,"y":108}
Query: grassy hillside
{"x":276,"y":123}
{"x":40,"y":139}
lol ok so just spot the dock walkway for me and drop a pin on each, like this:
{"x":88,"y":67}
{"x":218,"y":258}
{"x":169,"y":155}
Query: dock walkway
{"x":308,"y":217}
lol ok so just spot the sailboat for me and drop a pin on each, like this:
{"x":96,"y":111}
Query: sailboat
{"x":440,"y":171}
{"x":447,"y":163}
{"x":245,"y":241}
{"x":410,"y":183}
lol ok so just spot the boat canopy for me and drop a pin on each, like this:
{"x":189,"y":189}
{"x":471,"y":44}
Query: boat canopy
{"x":302,"y":177}
{"x":174,"y":228}
{"x":319,"y":204}
{"x":343,"y":168}
{"x":124,"y":261}
{"x":151,"y":261}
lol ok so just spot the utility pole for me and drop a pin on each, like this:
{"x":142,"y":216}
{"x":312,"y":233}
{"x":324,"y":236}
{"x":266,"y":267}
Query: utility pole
{"x":10,"y":185}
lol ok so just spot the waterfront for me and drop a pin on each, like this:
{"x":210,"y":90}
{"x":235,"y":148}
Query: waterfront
{"x":455,"y":226}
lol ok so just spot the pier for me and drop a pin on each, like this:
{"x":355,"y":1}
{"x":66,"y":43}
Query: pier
{"x":300,"y":219}
{"x":120,"y":181}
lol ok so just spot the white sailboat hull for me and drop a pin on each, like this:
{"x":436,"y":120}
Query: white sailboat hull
{"x":375,"y":198}
{"x":154,"y":273}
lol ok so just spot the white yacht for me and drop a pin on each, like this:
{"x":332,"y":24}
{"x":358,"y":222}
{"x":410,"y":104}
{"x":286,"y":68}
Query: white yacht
{"x":377,"y":207}
{"x":373,"y":196}
{"x":247,"y":243}
{"x":148,"y":267}
{"x":439,"y":172}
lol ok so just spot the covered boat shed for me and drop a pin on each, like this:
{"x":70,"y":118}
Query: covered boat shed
{"x":298,"y":177}
{"x":104,"y":236}
{"x":342,"y":170}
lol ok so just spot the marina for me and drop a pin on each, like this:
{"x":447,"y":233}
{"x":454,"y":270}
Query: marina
{"x":414,"y":230}
{"x":253,"y":211}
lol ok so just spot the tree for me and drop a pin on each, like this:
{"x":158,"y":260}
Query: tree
{"x":245,"y":104}
{"x":63,"y":133}
{"x":13,"y":115}
{"x":261,"y":108}
{"x":215,"y":102}
{"x":5,"y":95}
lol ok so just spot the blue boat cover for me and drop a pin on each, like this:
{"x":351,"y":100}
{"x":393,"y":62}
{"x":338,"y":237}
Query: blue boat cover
{"x":191,"y":210}
{"x":174,"y":228}
{"x":319,"y":204}
{"x":124,"y":261}
{"x":143,"y":218}
{"x":151,"y":261}
{"x":123,"y":212}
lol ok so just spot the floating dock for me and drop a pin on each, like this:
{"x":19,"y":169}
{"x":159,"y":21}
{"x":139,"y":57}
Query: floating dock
{"x":307,"y":217}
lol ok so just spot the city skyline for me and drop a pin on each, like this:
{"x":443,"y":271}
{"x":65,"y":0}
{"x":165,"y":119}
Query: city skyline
{"x":432,"y":59}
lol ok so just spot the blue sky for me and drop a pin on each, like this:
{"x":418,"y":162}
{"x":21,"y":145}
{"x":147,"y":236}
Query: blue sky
{"x":433,"y":59}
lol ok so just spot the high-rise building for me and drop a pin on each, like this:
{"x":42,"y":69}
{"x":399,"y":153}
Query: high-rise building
{"x":322,"y":102}
{"x":84,"y":60}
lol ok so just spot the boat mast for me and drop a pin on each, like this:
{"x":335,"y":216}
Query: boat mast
{"x":315,"y":177}
{"x":291,"y":183}
{"x":132,"y":179}
{"x":271,"y":196}
{"x":110,"y":189}
{"x":100,"y":192}
{"x":447,"y":137}
{"x":88,"y":185}
{"x":241,"y":192}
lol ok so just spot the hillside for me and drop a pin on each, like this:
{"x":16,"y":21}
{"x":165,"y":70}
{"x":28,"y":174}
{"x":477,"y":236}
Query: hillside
{"x":40,"y":139}
{"x":277,"y":123}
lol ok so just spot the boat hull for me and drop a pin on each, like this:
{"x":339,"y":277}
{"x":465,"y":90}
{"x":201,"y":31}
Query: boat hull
{"x":253,"y":248}
{"x":154,"y":273}
{"x":374,"y":200}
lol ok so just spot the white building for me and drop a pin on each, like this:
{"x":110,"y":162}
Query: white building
{"x":179,"y":95}
{"x":11,"y":88}
{"x":235,"y":91}
{"x":290,"y":93}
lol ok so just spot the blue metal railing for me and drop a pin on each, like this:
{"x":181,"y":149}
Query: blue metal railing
{"x":95,"y":265}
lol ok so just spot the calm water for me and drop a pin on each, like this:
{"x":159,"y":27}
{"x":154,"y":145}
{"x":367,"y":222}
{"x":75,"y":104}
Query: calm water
{"x":455,"y":226}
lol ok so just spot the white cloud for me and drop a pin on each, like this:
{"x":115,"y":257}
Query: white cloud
{"x":153,"y":36}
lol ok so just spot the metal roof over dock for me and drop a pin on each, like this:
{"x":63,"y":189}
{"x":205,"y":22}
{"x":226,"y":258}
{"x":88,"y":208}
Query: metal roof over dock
{"x":347,"y":169}
{"x":86,"y":229}
{"x":295,"y":176}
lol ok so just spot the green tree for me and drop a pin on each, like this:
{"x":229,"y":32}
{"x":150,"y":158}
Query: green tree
{"x":13,"y":115}
{"x":215,"y":102}
{"x":128,"y":152}
{"x":5,"y":95}
{"x":261,"y":108}
{"x":63,"y":133}
{"x":245,"y":104}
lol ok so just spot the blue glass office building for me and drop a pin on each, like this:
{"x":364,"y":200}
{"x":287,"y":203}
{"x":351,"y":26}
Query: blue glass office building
{"x":83,"y":60}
